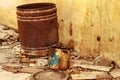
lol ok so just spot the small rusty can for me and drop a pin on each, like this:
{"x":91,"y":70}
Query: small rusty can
{"x":60,"y":60}
{"x":38,"y":28}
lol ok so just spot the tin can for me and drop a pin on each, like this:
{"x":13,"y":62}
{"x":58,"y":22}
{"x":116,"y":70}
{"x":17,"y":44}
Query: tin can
{"x":60,"y":60}
{"x":38,"y":28}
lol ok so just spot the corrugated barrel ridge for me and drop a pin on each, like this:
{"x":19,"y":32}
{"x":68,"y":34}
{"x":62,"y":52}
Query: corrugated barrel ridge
{"x":38,"y":26}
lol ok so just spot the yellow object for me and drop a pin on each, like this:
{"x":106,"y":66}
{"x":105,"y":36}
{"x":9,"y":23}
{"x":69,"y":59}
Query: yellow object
{"x":60,"y":60}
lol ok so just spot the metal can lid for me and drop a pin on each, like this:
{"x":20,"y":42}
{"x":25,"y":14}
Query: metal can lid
{"x":49,"y":75}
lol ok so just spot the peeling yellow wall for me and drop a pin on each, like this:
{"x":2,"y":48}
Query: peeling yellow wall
{"x":93,"y":26}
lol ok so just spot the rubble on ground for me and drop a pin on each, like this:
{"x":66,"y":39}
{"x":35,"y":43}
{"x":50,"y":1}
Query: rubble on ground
{"x":80,"y":68}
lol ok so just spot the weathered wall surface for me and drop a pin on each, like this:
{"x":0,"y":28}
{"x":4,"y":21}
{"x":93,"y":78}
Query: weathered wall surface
{"x":8,"y":10}
{"x":92,"y":26}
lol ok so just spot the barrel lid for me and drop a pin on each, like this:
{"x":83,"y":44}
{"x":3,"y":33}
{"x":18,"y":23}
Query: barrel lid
{"x":50,"y":75}
{"x":35,"y":6}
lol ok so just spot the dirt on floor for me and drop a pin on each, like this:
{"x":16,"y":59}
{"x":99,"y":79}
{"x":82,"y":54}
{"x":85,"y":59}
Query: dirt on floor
{"x":16,"y":66}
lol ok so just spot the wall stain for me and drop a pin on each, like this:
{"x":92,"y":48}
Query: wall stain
{"x":71,"y":44}
{"x":92,"y":25}
{"x":98,"y":38}
{"x":62,"y":20}
{"x":111,"y":39}
{"x":70,"y":29}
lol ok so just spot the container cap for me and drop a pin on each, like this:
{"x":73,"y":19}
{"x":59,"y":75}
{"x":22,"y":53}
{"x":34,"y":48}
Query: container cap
{"x":49,"y":75}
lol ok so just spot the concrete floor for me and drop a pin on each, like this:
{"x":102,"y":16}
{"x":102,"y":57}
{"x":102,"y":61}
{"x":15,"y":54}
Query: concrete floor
{"x":4,"y":75}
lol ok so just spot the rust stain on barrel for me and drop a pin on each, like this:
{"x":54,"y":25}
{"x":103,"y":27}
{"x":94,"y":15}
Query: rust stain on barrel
{"x":38,"y":25}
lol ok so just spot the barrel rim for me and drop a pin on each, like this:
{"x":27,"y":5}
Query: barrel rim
{"x":36,"y":6}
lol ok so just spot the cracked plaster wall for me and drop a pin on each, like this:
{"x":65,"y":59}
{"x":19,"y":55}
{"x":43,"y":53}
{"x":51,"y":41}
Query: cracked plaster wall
{"x":92,"y":27}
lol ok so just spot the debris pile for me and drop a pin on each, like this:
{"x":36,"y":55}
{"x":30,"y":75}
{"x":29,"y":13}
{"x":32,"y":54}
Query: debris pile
{"x":80,"y":68}
{"x":8,"y":37}
{"x":99,"y":69}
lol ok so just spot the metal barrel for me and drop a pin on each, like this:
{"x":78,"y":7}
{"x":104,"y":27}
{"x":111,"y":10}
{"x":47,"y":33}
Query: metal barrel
{"x":38,"y":28}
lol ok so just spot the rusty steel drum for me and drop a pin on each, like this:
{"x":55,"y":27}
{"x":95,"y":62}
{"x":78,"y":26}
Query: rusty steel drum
{"x":38,"y":28}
